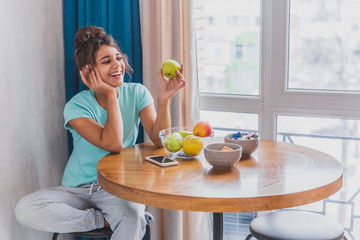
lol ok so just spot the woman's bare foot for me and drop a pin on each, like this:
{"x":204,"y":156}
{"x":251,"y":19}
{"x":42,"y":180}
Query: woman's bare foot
{"x":106,"y":224}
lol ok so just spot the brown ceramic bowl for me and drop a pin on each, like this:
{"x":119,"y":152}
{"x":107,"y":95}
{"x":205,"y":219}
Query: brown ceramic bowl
{"x":222,"y":159}
{"x":248,"y":145}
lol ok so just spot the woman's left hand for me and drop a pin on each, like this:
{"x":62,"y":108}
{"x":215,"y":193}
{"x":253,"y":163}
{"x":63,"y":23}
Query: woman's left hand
{"x":169,"y":87}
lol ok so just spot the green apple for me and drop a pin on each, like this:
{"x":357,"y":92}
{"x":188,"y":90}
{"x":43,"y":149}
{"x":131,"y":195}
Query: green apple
{"x":173,"y":142}
{"x":184,"y":133}
{"x":169,"y":68}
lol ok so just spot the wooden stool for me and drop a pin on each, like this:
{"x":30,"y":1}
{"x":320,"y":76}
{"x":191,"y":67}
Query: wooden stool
{"x":295,"y":225}
{"x":100,"y":233}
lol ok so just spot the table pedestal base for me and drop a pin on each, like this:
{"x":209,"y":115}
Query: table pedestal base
{"x":218,"y":223}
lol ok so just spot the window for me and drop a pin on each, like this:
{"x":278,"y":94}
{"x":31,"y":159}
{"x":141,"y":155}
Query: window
{"x":239,"y":51}
{"x":289,"y":69}
{"x":324,"y":44}
{"x":232,"y":47}
{"x":211,"y":20}
{"x":226,"y":122}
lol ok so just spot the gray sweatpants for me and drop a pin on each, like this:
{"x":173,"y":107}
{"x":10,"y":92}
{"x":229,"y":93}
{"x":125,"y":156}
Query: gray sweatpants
{"x":65,"y":209}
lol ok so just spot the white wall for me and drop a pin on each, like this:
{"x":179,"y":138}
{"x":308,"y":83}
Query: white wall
{"x":33,"y":142}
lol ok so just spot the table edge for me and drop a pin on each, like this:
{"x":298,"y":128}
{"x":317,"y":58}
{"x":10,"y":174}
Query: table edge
{"x":248,"y":204}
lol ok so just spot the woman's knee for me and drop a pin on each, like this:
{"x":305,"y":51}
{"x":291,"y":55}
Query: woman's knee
{"x":29,"y":208}
{"x":135,"y":210}
{"x":129,"y":213}
{"x":25,"y":209}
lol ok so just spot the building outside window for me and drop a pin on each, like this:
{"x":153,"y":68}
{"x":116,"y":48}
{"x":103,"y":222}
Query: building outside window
{"x":290,"y":71}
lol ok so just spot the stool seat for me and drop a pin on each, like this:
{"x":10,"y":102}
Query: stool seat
{"x":101,"y":233}
{"x":97,"y":233}
{"x":295,"y":225}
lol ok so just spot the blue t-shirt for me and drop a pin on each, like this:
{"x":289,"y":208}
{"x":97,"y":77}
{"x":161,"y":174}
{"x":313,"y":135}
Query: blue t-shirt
{"x":81,"y":167}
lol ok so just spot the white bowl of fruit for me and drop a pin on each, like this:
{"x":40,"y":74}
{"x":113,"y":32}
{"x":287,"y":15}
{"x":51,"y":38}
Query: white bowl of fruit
{"x":181,"y":143}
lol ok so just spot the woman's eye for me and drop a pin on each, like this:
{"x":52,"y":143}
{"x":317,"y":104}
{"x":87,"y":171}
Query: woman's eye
{"x":109,"y":61}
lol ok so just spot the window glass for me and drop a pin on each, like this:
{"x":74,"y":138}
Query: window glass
{"x":324,"y":45}
{"x":229,"y":46}
{"x":325,"y":134}
{"x":227,"y":122}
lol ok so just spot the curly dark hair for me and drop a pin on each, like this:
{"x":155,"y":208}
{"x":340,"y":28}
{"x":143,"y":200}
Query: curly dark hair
{"x":88,"y":40}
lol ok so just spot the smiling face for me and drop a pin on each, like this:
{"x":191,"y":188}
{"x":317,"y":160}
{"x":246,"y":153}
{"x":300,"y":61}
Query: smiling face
{"x":111,"y":65}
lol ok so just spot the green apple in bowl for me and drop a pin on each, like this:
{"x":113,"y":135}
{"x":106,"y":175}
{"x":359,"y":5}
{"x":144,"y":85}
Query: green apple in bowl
{"x":184,"y":133}
{"x":173,"y":142}
{"x":169,"y":68}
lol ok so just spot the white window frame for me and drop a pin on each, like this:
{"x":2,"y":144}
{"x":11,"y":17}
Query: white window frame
{"x":274,"y":97}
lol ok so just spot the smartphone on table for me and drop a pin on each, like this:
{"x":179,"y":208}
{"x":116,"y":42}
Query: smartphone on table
{"x":162,"y":160}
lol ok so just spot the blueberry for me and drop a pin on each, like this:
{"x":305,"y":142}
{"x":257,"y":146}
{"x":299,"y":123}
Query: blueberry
{"x":237,"y":135}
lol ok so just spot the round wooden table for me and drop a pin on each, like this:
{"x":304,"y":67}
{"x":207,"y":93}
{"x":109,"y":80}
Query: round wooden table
{"x":277,"y":175}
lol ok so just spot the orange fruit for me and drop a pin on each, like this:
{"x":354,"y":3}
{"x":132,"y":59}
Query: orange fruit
{"x":225,"y":148}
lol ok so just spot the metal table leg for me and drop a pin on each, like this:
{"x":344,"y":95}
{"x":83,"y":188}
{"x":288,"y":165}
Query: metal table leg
{"x":218,"y":226}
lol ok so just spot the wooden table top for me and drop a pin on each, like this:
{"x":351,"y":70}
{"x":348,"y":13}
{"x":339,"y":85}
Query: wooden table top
{"x":277,"y":175}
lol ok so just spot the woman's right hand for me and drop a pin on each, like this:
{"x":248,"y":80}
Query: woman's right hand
{"x":92,"y":79}
{"x":109,"y":136}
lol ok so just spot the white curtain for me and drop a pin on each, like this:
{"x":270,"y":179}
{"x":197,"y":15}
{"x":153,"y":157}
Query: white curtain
{"x":168,"y":32}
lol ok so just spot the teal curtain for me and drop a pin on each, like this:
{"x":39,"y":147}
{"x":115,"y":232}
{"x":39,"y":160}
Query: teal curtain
{"x":120,"y":18}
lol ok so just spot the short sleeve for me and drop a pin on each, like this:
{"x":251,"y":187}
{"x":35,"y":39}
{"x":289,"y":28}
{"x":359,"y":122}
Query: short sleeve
{"x":144,"y":97}
{"x":72,"y":111}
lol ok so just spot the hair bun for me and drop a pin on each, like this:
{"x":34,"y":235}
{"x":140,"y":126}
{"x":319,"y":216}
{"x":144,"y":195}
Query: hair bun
{"x":86,"y":37}
{"x":92,"y":37}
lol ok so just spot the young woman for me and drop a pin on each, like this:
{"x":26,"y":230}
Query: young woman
{"x":103,"y":119}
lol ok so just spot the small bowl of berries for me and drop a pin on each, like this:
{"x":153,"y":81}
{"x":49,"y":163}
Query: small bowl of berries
{"x":248,"y":141}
